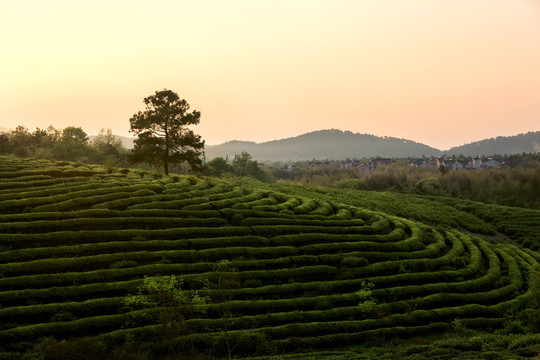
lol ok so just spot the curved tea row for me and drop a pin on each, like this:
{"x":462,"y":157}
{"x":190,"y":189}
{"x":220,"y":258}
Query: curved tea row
{"x":310,"y":273}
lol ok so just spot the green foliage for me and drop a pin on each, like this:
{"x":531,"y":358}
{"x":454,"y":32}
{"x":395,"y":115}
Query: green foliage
{"x":22,"y":151}
{"x":74,"y":135}
{"x":175,"y":306}
{"x":162,"y":291}
{"x":163,"y":134}
{"x":242,"y":166}
{"x":217,"y":167}
{"x":108,"y":144}
{"x":188,"y":265}
{"x":367,"y":302}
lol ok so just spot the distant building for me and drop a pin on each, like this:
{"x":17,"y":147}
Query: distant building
{"x":483,"y":163}
{"x":419,"y":163}
{"x":456,"y":165}
{"x":490,"y":162}
{"x":363,"y":168}
{"x":449,"y":163}
{"x":349,"y":164}
{"x":433,"y":162}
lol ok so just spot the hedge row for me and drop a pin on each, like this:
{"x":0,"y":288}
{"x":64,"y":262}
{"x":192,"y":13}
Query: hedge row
{"x":108,"y":213}
{"x":179,"y":257}
{"x":61,"y":189}
{"x":65,"y":200}
{"x":259,"y":199}
{"x":46,"y":312}
{"x":250,"y":246}
{"x":112,"y":279}
{"x":44,"y":226}
{"x":224,"y":203}
{"x":9,"y":187}
{"x":288,"y":204}
{"x":252,"y":221}
{"x":18,"y":241}
{"x":167,"y":201}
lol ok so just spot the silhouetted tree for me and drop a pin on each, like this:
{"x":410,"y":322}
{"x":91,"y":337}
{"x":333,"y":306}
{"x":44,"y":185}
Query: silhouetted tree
{"x":163,"y":136}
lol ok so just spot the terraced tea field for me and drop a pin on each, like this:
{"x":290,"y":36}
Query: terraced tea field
{"x":308,"y":273}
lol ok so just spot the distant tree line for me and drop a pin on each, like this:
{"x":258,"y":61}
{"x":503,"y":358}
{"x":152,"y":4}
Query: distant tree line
{"x":163,"y":139}
{"x":69,"y":144}
{"x":241,"y":165}
{"x":517,"y":184}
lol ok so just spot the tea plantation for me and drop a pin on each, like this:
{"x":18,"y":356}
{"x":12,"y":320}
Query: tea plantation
{"x":253,"y":270}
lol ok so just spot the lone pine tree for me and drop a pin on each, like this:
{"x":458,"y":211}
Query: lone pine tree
{"x":163,"y":136}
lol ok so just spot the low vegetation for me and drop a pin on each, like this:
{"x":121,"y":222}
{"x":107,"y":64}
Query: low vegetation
{"x":517,"y":183}
{"x":118,"y":264}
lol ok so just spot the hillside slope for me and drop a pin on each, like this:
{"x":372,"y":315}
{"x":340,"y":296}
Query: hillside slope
{"x":522,"y":143}
{"x":336,"y":144}
{"x":324,"y":144}
{"x":305,"y":272}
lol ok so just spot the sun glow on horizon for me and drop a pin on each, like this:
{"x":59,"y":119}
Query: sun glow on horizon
{"x":442,"y":72}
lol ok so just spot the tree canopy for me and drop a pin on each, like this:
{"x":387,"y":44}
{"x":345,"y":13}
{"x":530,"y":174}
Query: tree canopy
{"x":107,"y":143}
{"x":74,"y":135}
{"x":163,"y":136}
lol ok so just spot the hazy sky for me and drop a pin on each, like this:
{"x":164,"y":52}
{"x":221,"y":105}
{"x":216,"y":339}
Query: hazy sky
{"x":441,"y":72}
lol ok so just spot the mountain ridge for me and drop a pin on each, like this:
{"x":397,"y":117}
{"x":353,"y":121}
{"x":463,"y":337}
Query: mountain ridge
{"x":324,"y":144}
{"x":338,"y":145}
{"x":522,"y":143}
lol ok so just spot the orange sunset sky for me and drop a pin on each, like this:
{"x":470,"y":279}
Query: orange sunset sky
{"x":440,"y":72}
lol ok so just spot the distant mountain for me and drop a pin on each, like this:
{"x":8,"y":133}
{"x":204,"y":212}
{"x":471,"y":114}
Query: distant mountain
{"x":528,"y":143}
{"x":339,"y":145}
{"x":324,"y":144}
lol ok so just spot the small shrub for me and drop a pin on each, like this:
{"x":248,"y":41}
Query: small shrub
{"x":367,"y":302}
{"x":141,"y":173}
{"x":109,"y":169}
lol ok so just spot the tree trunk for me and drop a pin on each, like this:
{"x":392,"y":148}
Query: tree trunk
{"x":166,"y":159}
